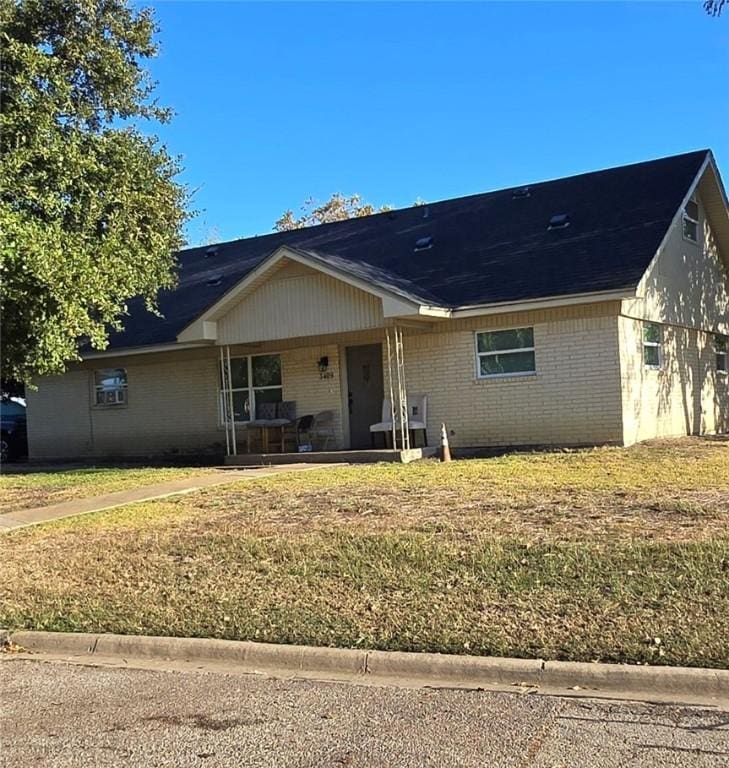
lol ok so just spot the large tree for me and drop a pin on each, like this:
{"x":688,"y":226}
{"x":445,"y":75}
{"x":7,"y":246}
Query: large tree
{"x":90,"y":209}
{"x":336,"y":208}
{"x":714,"y":7}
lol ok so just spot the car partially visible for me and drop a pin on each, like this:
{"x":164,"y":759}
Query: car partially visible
{"x":13,"y":430}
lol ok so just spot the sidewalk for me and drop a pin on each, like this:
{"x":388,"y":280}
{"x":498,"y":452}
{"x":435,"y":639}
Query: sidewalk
{"x":36,"y":515}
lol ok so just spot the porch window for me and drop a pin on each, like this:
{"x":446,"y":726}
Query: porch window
{"x":505,"y":353}
{"x":255,"y":379}
{"x":110,"y":386}
{"x":652,"y":340}
{"x":721,"y":349}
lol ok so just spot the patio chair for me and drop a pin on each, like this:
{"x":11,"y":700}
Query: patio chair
{"x":316,"y":428}
{"x":417,"y":419}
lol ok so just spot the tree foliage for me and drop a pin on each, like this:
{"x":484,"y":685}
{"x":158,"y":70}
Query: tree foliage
{"x":714,"y":7}
{"x":336,"y":208}
{"x":90,"y":209}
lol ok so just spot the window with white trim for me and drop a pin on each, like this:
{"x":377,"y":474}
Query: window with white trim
{"x":652,"y":345}
{"x":255,"y":379}
{"x":505,"y":353}
{"x":691,"y":221}
{"x":721,"y":350}
{"x":110,"y":386}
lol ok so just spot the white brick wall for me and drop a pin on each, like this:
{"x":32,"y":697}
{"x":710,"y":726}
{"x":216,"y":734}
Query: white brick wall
{"x":172,"y":409}
{"x":303,"y":383}
{"x":584,"y":391}
{"x":686,"y":291}
{"x":172,"y":405}
{"x":686,"y":396}
{"x":574,"y":397}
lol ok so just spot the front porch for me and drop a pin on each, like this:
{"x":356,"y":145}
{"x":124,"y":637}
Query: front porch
{"x":304,"y":339}
{"x":339,"y":398}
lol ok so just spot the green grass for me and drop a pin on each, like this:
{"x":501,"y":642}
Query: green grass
{"x":40,"y":489}
{"x":611,"y":555}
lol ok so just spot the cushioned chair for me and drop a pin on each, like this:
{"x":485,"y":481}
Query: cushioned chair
{"x":417,"y":419}
{"x":272,"y":419}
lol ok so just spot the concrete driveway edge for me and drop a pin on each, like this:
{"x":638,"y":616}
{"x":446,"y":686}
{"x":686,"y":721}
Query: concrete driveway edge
{"x":433,"y":669}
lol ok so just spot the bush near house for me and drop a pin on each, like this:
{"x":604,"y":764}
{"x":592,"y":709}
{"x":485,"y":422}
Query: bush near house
{"x":610,"y":554}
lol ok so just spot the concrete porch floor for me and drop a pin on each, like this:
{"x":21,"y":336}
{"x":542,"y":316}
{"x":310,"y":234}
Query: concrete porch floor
{"x":331,"y":457}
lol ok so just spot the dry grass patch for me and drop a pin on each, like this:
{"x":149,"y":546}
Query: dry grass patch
{"x":41,"y":489}
{"x":618,"y":555}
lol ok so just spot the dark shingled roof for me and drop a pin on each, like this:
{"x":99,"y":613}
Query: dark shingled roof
{"x":487,"y":248}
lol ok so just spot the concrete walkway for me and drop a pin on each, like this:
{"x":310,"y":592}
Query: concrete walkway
{"x":73,"y":507}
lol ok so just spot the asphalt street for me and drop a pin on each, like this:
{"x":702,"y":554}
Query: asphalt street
{"x":56,"y":714}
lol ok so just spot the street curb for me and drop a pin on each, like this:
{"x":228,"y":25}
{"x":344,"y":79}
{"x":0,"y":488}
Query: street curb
{"x":433,"y":669}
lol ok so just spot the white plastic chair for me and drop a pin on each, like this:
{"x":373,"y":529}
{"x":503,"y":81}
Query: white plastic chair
{"x":417,"y":418}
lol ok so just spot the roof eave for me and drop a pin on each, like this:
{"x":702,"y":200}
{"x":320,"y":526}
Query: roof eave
{"x":173,"y":346}
{"x":545,"y":302}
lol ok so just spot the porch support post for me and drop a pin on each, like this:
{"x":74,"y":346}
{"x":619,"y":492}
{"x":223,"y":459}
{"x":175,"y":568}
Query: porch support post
{"x":398,"y":390}
{"x":390,"y":375}
{"x":224,"y":402}
{"x":402,"y":393}
{"x":230,"y":402}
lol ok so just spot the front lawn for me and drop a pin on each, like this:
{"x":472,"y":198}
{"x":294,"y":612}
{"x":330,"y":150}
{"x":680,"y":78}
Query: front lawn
{"x":608,"y":554}
{"x":25,"y":490}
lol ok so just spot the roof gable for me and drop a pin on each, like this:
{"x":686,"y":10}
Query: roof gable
{"x":384,"y":300}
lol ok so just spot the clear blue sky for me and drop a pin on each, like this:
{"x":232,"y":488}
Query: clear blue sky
{"x":277,"y":102}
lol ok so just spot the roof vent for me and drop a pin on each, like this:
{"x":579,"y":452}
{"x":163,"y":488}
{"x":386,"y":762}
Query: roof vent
{"x":559,"y":221}
{"x":522,"y":192}
{"x":211,"y":251}
{"x":214,"y":280}
{"x":423,"y":243}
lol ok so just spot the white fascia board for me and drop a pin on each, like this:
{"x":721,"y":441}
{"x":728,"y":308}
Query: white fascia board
{"x":199,"y":330}
{"x":393,"y":306}
{"x":430,"y":311}
{"x":546,"y":303}
{"x":131,"y":351}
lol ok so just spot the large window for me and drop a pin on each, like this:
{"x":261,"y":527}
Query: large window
{"x":505,"y":353}
{"x":721,"y":349}
{"x":652,"y":339}
{"x":691,"y":221}
{"x":110,"y":386}
{"x":254,"y":380}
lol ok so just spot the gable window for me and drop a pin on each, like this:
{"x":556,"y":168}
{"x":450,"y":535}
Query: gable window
{"x":255,"y":379}
{"x":505,"y":353}
{"x":691,"y":221}
{"x":721,"y":350}
{"x":110,"y":386}
{"x":652,"y":339}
